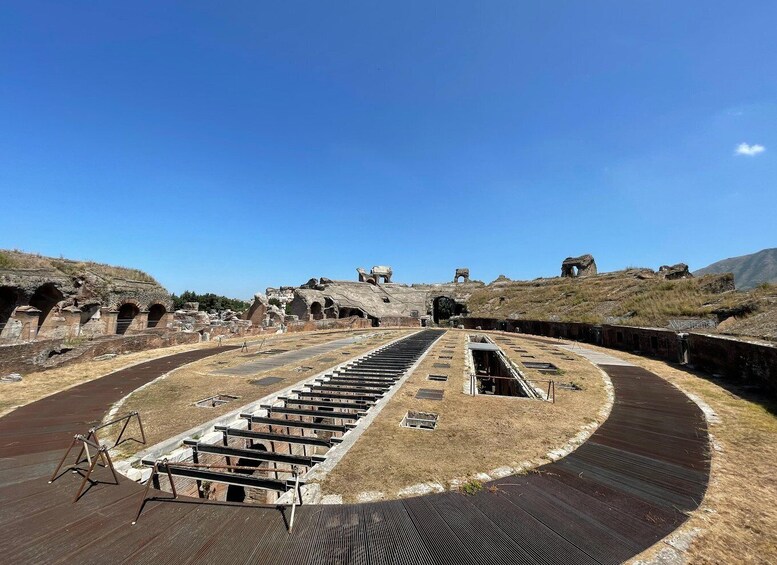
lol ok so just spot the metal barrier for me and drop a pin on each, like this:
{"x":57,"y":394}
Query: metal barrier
{"x":101,"y":452}
{"x":223,"y":474}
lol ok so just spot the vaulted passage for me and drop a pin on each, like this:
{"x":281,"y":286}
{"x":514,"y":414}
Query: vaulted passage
{"x":348,"y":312}
{"x":127,"y":313}
{"x":317,"y":311}
{"x":8,"y":299}
{"x":155,"y":314}
{"x":44,"y":299}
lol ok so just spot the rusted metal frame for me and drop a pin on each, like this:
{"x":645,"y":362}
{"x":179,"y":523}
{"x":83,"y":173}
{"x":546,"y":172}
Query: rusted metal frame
{"x":184,"y":465}
{"x":294,"y":499}
{"x":225,"y":440}
{"x":154,"y":478}
{"x":127,"y":419}
{"x":62,"y":461}
{"x":102,"y":453}
{"x":196,"y":461}
{"x":267,"y":436}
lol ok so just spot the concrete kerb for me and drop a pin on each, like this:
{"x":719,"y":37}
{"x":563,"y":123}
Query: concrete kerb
{"x":310,"y":492}
{"x":171,"y":448}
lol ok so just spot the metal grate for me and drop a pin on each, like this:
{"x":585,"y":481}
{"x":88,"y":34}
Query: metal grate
{"x":273,"y":351}
{"x":266,"y":381}
{"x":442,"y":378}
{"x":442,"y":365}
{"x":541,"y":366}
{"x":430,"y":394}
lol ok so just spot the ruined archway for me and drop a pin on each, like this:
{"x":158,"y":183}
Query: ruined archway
{"x":88,"y":311}
{"x":348,"y":312}
{"x":317,"y":311}
{"x":127,"y":313}
{"x":9,"y":298}
{"x":155,"y":314}
{"x":275,"y":319}
{"x":443,"y":307}
{"x":329,"y":308}
{"x":44,"y":299}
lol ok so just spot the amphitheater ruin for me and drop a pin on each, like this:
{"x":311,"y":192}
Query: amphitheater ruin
{"x":367,"y":420}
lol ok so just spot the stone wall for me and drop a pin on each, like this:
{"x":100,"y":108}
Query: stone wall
{"x":747,"y":362}
{"x":737,"y":360}
{"x":46,"y":354}
{"x":400,"y":322}
{"x":329,"y":324}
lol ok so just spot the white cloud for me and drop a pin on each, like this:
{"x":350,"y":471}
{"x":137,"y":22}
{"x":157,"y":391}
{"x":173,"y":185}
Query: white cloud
{"x":749,"y":150}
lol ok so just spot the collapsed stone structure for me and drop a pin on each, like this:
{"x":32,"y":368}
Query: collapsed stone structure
{"x":583,"y":266}
{"x":58,"y":298}
{"x":461,"y":272}
{"x":674,"y":272}
{"x":376,"y":298}
{"x":377,"y":275}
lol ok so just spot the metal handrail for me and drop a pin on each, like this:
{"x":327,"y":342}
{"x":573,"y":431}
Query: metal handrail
{"x":184,"y":465}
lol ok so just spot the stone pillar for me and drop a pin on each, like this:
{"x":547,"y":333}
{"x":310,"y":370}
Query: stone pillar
{"x":109,"y":318}
{"x":72,"y":319}
{"x":28,"y":317}
{"x":140,"y":322}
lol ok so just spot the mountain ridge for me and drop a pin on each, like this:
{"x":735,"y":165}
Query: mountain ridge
{"x":749,"y":270}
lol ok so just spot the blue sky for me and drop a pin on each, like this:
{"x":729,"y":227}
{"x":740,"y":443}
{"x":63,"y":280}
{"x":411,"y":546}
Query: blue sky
{"x":231,"y":146}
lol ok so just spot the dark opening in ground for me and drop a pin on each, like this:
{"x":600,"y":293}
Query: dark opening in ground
{"x":236,"y":493}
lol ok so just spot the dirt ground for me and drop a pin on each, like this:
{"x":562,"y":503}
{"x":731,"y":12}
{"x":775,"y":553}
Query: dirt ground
{"x":474,"y":434}
{"x":167,"y":406}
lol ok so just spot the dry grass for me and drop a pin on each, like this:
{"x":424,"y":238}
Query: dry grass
{"x":642,"y":302}
{"x":45,"y":383}
{"x":474,"y":434}
{"x":738,"y":516}
{"x":41,"y":384}
{"x":167,"y":406}
{"x":15,"y":259}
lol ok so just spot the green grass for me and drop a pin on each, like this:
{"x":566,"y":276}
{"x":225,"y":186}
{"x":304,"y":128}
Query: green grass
{"x":472,"y":487}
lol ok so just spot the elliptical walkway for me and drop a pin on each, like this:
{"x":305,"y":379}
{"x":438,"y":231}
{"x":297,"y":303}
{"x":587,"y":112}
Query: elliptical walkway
{"x":628,"y":486}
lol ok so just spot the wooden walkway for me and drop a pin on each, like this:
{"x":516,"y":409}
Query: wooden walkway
{"x":630,"y":485}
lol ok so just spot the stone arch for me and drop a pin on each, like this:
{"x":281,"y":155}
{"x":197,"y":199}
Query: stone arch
{"x":329,"y":308}
{"x":275,"y":319}
{"x":88,"y":311}
{"x":127,"y":313}
{"x":461,"y":273}
{"x":155,"y":314}
{"x":348,"y":312}
{"x":44,"y":299}
{"x":444,"y":307}
{"x":316,"y":311}
{"x":9,"y":299}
